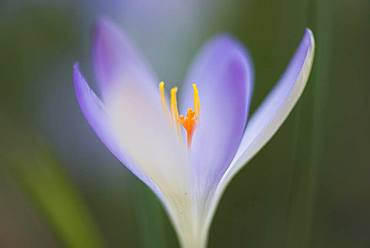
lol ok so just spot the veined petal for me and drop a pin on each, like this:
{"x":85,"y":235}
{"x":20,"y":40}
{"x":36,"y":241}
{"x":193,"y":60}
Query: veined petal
{"x":145,"y":133}
{"x":279,"y":103}
{"x":137,"y":122}
{"x":224,"y":76}
{"x":271,"y":114}
{"x":94,"y":111}
{"x":131,"y":125}
{"x":117,"y":61}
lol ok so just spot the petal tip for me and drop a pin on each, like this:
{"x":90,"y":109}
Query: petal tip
{"x":102,"y":22}
{"x":309,"y":37}
{"x":308,"y":32}
{"x":76,"y":67}
{"x":228,"y":42}
{"x":77,"y":78}
{"x":226,"y":37}
{"x":76,"y":72}
{"x":79,"y":81}
{"x":104,"y":26}
{"x":225,"y":40}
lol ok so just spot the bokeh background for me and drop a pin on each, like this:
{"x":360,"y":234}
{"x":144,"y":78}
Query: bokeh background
{"x":308,"y":187}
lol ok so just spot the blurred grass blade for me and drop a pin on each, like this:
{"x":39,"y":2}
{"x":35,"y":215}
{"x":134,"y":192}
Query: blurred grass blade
{"x":309,"y":131}
{"x":48,"y":186}
{"x":151,"y":219}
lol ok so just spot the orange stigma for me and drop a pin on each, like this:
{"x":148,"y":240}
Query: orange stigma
{"x":188,"y":122}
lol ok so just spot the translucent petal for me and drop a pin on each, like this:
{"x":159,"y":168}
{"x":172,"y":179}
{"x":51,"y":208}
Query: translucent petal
{"x":271,"y":114}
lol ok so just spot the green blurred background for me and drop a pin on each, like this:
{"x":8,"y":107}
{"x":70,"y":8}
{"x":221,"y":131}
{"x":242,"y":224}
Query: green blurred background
{"x":60,"y":187}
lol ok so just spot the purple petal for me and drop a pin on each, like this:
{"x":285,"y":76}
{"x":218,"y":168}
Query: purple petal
{"x":94,"y":111}
{"x":224,"y":76}
{"x":117,"y":61}
{"x":271,"y":114}
{"x":134,"y":128}
{"x":278,"y":104}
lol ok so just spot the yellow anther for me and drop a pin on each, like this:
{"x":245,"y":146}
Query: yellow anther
{"x":196,"y":100}
{"x":163,"y":97}
{"x":174,"y":110}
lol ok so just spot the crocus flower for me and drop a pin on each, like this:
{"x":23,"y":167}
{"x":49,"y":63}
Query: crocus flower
{"x":188,"y":154}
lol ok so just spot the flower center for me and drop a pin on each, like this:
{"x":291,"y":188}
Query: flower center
{"x":190,"y":120}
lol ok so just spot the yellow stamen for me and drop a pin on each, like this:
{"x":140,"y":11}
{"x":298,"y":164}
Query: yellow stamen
{"x":196,"y":100}
{"x":190,"y":121}
{"x":163,"y":97}
{"x":174,"y":110}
